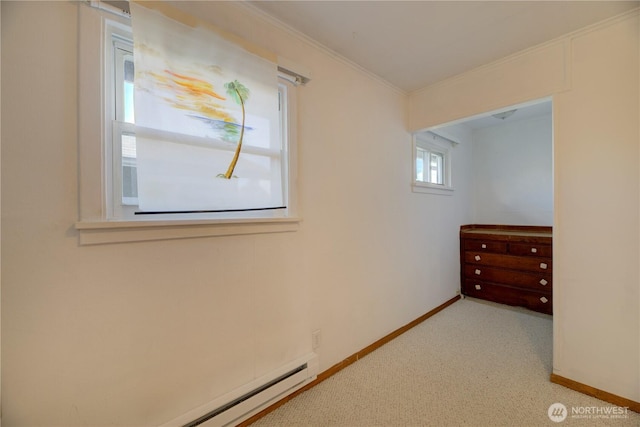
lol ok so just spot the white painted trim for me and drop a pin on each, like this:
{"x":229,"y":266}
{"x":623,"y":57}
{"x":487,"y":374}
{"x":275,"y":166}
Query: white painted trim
{"x":426,"y":188}
{"x":103,"y":232}
{"x":290,"y":133}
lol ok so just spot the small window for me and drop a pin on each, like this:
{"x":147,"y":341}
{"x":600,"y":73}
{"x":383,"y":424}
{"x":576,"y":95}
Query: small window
{"x":432,"y":164}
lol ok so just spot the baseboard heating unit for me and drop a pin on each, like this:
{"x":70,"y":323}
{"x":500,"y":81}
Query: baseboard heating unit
{"x":244,"y":402}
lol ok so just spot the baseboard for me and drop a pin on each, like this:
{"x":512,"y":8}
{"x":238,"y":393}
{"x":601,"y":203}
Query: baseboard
{"x":349,"y":360}
{"x":597,"y":393}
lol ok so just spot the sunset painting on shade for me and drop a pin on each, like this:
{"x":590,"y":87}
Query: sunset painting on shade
{"x":198,"y":96}
{"x":191,"y":94}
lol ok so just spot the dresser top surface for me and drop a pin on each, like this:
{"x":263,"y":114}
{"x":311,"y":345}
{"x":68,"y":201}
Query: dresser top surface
{"x":506,"y":231}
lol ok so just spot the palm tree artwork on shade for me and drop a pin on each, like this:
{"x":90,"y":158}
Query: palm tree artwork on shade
{"x":239,"y":93}
{"x":199,"y":98}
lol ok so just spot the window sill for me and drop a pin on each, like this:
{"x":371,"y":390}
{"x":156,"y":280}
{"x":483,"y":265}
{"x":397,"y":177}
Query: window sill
{"x":104,"y":232}
{"x":423,"y":187}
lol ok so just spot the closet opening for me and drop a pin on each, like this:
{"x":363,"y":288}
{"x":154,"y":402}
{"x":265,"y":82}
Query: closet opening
{"x":503,"y":171}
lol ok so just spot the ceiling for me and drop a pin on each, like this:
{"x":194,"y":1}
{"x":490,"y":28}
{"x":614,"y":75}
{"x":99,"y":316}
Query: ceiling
{"x":521,"y":112}
{"x":412,"y":44}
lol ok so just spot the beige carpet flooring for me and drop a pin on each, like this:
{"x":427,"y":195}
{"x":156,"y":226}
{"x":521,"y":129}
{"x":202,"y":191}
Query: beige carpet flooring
{"x":473,"y":364}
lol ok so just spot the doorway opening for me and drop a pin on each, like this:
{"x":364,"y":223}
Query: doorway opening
{"x":502,"y":170}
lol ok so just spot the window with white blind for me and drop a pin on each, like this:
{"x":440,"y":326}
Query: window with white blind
{"x":186,"y":139}
{"x":207,"y":121}
{"x":125,"y":202}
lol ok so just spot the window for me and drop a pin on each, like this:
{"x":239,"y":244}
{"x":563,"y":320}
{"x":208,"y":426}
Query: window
{"x":109,"y":152}
{"x":124,"y":202}
{"x":429,"y":166}
{"x":432,"y":164}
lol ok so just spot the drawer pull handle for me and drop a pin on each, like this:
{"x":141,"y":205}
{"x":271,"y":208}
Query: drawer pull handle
{"x":544,"y":300}
{"x":484,"y":246}
{"x":543,"y":282}
{"x":477,"y":257}
{"x":478,"y":287}
{"x":477,"y":272}
{"x":534,"y":250}
{"x":543,"y":265}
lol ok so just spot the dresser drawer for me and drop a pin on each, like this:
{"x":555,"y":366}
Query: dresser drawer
{"x":511,"y":296}
{"x":540,"y":282}
{"x":485,"y":246}
{"x":511,"y":262}
{"x":530,"y":249}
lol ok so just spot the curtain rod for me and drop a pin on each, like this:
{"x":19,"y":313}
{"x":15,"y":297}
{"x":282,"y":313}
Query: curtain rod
{"x":292,"y":76}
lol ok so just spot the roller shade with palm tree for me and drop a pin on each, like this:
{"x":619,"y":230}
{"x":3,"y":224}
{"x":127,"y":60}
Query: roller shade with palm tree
{"x":207,"y":120}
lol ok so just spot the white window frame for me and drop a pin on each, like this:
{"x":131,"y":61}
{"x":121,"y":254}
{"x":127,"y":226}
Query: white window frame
{"x":118,"y":47}
{"x":432,"y":143}
{"x":100,"y":161}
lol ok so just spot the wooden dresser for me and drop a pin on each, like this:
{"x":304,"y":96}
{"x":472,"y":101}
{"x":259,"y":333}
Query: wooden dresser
{"x":507,"y":264}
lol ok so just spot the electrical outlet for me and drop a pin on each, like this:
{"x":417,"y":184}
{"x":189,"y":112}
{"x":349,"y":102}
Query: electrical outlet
{"x":315,"y":339}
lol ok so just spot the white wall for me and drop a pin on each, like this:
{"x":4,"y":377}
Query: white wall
{"x":0,"y":226}
{"x":593,"y":78}
{"x":597,"y":223}
{"x":138,"y":334}
{"x":513,"y":173}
